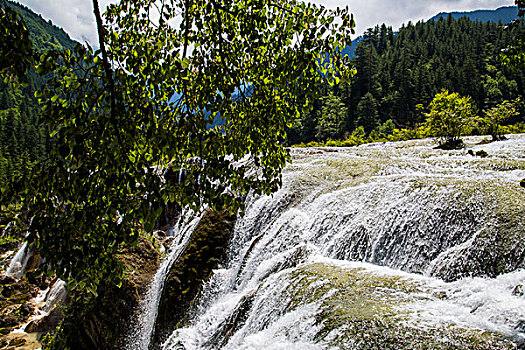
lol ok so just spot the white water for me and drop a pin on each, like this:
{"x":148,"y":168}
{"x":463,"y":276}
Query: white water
{"x":18,"y":264}
{"x":401,"y":207}
{"x":141,"y":333}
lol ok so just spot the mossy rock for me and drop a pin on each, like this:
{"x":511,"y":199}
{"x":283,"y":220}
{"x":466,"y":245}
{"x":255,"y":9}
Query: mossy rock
{"x":15,"y":308}
{"x":482,"y":154}
{"x":20,"y":341}
{"x":206,"y":249}
{"x":103,"y":323}
{"x":17,"y":342}
{"x":451,"y":145}
{"x":364,"y":310}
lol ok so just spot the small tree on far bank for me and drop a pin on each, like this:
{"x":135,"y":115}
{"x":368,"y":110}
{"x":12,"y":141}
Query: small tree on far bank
{"x":451,"y":116}
{"x":333,"y":117}
{"x":367,"y":114}
{"x":496,"y":115}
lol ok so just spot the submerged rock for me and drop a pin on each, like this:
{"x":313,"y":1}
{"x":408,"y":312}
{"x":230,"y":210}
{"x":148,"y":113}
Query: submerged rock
{"x":56,"y":296}
{"x":362,"y":309}
{"x":333,"y":305}
{"x":47,"y":323}
{"x":233,"y":323}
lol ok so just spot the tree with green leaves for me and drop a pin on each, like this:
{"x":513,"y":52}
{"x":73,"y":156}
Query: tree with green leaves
{"x":451,"y":116}
{"x":514,"y":55}
{"x":331,"y":122}
{"x":16,"y":49}
{"x":144,"y":102}
{"x":367,"y":115}
{"x":495,"y":116}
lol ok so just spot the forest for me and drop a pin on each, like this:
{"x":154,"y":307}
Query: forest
{"x":397,"y":76}
{"x":23,"y":139}
{"x":399,"y":73}
{"x":114,"y":180}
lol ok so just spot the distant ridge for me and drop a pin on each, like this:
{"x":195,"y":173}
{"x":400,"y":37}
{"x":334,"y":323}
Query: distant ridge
{"x":505,"y":14}
{"x":44,"y":34}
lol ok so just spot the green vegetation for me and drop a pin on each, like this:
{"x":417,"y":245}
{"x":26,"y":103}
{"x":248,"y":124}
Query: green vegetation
{"x":23,"y":138}
{"x":113,"y":124}
{"x":514,"y":54}
{"x":495,"y":116}
{"x":105,"y":322}
{"x":15,"y":46}
{"x":398,"y":76}
{"x":450,"y":117}
{"x":332,"y":118}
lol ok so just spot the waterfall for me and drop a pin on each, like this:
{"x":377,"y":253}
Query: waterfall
{"x":17,"y":266}
{"x":141,"y":333}
{"x":427,"y":232}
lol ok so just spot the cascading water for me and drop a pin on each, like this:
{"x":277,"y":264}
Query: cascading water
{"x":379,"y":243}
{"x":18,"y":263}
{"x":141,"y":333}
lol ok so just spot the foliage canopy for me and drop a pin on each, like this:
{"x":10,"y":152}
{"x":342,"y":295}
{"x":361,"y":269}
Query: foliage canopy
{"x":332,"y":119}
{"x":145,"y":102}
{"x":16,"y":50}
{"x":450,"y":116}
{"x":514,"y":55}
{"x":495,"y":116}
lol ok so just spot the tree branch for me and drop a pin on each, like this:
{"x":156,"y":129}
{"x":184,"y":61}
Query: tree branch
{"x":107,"y":67}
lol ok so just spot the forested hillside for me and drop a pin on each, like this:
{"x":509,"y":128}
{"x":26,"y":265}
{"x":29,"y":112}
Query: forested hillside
{"x":22,"y":141}
{"x":399,"y":74}
{"x":504,"y":15}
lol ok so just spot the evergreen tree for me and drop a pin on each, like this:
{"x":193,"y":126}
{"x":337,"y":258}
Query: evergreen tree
{"x":332,"y":119}
{"x":367,"y":115}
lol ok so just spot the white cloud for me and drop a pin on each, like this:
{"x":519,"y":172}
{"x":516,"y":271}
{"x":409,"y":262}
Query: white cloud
{"x":76,"y":16}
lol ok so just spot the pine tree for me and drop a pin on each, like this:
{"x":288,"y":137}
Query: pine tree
{"x":367,"y":115}
{"x":332,"y":119}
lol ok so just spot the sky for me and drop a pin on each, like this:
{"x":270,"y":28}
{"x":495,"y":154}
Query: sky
{"x":77,"y":19}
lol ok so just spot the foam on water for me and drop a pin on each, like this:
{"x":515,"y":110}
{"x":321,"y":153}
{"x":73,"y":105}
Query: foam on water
{"x":141,"y":332}
{"x":403,"y":209}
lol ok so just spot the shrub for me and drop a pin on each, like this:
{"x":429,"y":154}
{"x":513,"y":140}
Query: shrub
{"x":451,"y":116}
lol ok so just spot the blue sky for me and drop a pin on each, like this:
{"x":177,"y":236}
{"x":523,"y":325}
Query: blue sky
{"x":76,"y":16}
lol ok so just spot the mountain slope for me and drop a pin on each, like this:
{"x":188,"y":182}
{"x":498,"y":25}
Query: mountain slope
{"x":44,"y":34}
{"x":22,"y":140}
{"x":505,"y":14}
{"x":397,"y":73}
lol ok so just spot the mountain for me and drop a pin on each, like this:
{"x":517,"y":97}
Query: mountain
{"x":397,"y":72}
{"x":350,"y":50}
{"x":505,"y":14}
{"x":44,"y":34}
{"x":22,"y":139}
